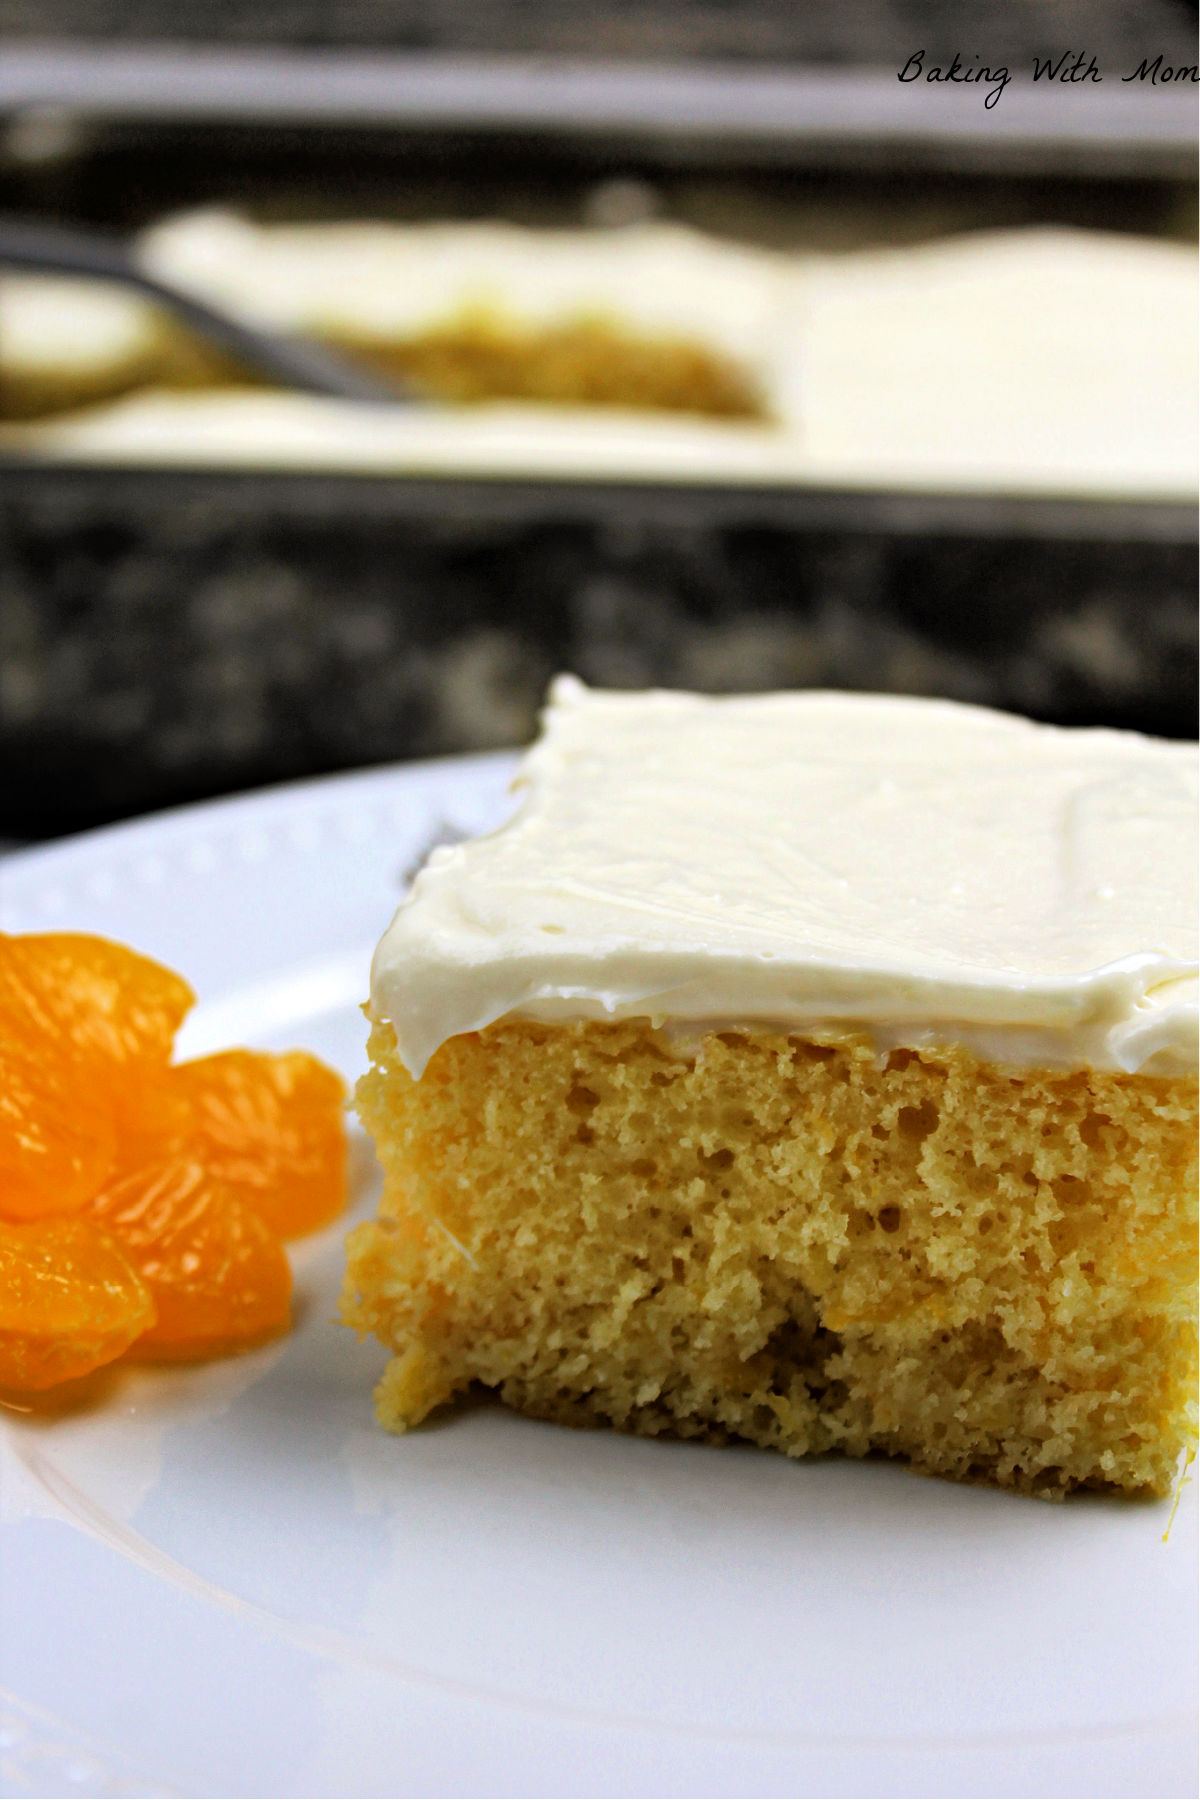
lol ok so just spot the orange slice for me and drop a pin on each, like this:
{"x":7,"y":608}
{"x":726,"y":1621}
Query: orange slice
{"x":270,"y":1128}
{"x":69,"y":1302}
{"x":219,"y":1277}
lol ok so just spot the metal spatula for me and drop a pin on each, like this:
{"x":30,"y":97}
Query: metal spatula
{"x":286,"y":361}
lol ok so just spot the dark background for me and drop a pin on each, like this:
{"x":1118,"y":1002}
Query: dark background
{"x":822,"y":31}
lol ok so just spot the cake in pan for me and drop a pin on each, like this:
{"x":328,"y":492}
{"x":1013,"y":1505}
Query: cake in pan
{"x":651,"y":316}
{"x":811,"y":1069}
{"x":1035,"y":361}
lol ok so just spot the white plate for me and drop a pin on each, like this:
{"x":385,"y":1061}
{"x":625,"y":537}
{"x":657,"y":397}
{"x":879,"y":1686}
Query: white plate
{"x":226,"y":1580}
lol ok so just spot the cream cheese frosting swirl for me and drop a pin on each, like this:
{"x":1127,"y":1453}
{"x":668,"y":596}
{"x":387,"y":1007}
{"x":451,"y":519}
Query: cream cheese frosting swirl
{"x":927,"y":872}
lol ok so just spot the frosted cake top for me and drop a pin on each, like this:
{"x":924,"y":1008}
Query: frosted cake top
{"x":930,"y":872}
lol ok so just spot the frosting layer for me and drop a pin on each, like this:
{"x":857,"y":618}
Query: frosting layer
{"x":929,"y":872}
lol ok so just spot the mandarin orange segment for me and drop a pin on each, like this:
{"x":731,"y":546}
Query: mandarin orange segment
{"x":220,"y":1279}
{"x":89,"y":1000}
{"x":56,"y":1142}
{"x":177,"y":1180}
{"x":81,"y":1019}
{"x":271,"y":1128}
{"x":69,"y":1301}
{"x":157,"y":1122}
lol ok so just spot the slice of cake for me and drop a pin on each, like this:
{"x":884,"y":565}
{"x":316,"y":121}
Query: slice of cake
{"x":812,"y":1069}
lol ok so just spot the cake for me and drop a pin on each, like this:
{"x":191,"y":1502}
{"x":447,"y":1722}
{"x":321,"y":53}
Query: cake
{"x":651,"y":316}
{"x":817,"y":1070}
{"x":1036,"y":360}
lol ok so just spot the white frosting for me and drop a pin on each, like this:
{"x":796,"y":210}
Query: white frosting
{"x":929,"y":872}
{"x":54,"y":327}
{"x":389,"y":283}
{"x":1072,"y":353}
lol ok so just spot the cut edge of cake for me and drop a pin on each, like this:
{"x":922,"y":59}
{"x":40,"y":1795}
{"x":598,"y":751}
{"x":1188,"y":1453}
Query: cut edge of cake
{"x":797,"y":1243}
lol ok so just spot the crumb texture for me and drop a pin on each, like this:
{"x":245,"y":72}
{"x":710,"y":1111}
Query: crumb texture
{"x":469,"y":358}
{"x":990,"y":1273}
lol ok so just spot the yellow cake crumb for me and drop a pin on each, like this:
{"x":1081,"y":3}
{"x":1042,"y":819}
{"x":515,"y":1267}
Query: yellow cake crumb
{"x":987,"y":1271}
{"x":466,"y":359}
